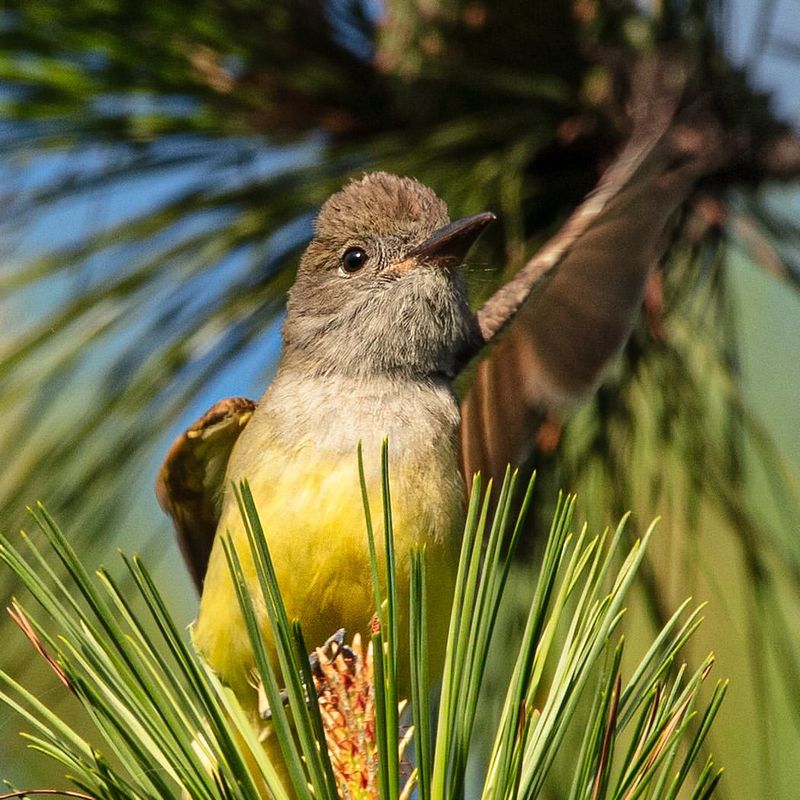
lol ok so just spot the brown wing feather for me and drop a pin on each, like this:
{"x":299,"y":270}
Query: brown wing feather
{"x":552,"y":354}
{"x":493,"y":415}
{"x":190,"y":483}
{"x":556,"y":348}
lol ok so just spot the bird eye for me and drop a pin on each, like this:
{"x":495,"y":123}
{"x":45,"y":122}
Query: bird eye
{"x":353,"y":260}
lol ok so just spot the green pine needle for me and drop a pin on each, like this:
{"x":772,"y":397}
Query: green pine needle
{"x":165,"y":723}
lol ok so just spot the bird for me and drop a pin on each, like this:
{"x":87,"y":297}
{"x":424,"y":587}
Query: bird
{"x":377,"y":328}
{"x":374,"y":326}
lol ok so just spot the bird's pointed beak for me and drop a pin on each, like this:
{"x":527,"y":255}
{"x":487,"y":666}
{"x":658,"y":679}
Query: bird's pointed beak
{"x":447,"y":246}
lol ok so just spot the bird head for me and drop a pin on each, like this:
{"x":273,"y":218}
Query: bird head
{"x":379,"y":289}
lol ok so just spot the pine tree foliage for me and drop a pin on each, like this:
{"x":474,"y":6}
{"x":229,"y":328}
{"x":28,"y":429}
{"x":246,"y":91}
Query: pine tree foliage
{"x":196,"y":144}
{"x":160,"y":722}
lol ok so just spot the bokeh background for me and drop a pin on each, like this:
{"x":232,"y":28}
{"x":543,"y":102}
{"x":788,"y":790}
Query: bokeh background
{"x":160,"y":166}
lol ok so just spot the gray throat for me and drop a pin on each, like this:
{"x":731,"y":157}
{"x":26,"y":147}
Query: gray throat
{"x":334,"y":412}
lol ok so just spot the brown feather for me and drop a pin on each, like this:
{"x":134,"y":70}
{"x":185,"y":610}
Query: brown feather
{"x":575,"y":306}
{"x":190,"y":483}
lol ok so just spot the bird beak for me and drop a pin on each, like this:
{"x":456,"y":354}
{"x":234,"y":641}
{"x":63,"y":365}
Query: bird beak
{"x":447,"y":246}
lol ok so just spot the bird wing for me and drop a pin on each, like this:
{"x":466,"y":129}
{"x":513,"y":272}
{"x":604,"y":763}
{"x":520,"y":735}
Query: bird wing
{"x":191,"y":479}
{"x":554,"y":351}
{"x":571,"y":308}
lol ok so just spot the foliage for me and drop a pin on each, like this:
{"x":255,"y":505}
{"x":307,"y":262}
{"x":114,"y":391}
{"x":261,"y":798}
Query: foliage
{"x":161,"y":166}
{"x":235,"y":122}
{"x":169,"y":724}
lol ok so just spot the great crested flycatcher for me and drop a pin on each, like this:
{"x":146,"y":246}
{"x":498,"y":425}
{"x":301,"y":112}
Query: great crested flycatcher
{"x":374,"y":325}
{"x":377,"y":326}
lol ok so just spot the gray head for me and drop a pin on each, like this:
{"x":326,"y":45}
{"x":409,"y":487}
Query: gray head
{"x":379,"y":289}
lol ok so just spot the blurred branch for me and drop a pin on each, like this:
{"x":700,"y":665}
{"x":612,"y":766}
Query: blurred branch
{"x":779,"y":158}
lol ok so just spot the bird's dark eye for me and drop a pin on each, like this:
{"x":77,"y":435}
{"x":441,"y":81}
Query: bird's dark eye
{"x":353,"y":260}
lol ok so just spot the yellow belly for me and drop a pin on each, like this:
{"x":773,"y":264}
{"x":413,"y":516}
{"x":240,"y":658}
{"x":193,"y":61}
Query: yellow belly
{"x":311,"y":510}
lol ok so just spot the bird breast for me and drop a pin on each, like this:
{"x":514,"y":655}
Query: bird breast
{"x":299,"y":455}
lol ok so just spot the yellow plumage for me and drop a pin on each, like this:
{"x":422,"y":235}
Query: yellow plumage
{"x":311,"y":510}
